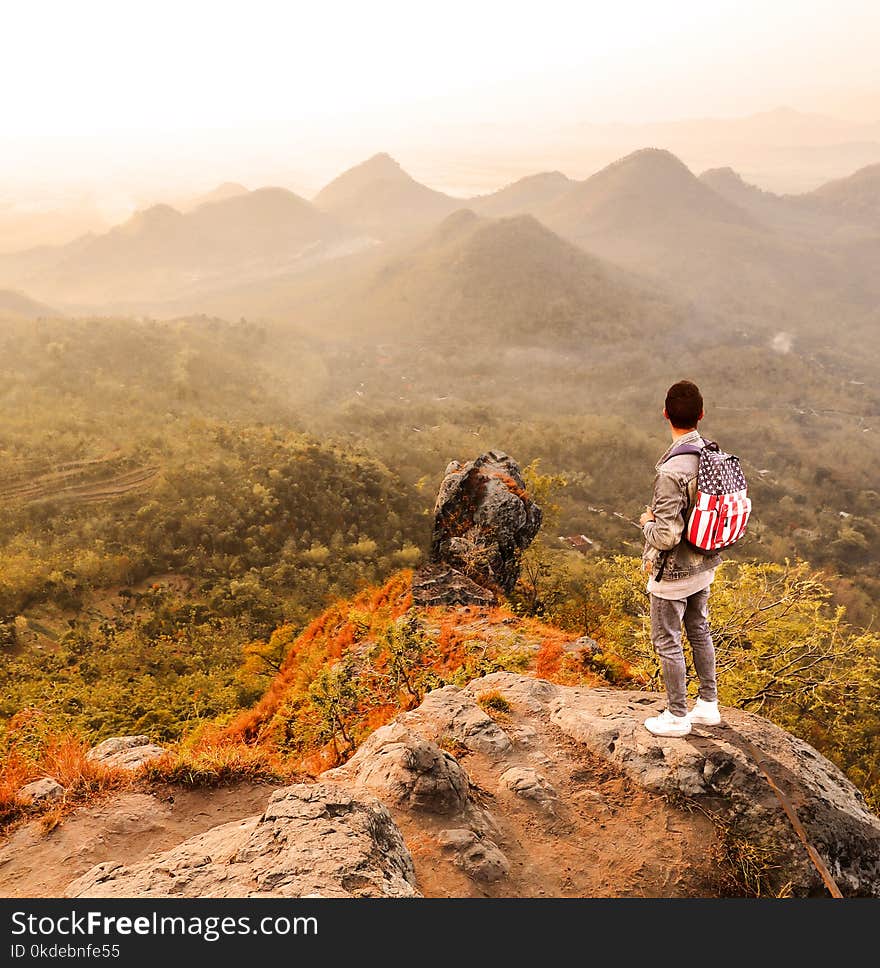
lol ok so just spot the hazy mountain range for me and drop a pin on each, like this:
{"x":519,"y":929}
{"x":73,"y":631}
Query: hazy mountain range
{"x":783,"y":150}
{"x":376,"y":250}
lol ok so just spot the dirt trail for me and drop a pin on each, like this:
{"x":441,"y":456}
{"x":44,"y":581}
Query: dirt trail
{"x":604,"y":837}
{"x":126,"y":828}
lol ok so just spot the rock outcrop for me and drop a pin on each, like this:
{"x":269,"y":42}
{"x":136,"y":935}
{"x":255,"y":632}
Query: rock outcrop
{"x":559,"y":792}
{"x":483,"y":521}
{"x":406,"y":770}
{"x":438,"y":584}
{"x":312,"y":840}
{"x":719,"y":766}
{"x":41,"y":791}
{"x":724,"y":769}
{"x":126,"y":752}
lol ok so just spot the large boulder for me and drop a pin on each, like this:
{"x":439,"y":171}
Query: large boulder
{"x":42,"y":791}
{"x":406,"y":770}
{"x":126,"y":752}
{"x":483,"y":521}
{"x":312,"y":839}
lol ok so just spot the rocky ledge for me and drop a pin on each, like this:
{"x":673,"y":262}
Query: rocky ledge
{"x":561,"y":791}
{"x":312,"y":840}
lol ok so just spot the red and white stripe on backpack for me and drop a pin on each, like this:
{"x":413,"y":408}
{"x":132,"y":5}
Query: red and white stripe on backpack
{"x":721,"y":506}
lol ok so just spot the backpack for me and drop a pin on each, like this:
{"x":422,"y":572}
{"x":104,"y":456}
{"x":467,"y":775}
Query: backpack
{"x":722,"y":507}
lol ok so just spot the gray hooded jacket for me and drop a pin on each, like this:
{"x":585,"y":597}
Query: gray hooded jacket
{"x":675,"y":488}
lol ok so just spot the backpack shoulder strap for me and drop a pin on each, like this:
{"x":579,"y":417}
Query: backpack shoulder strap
{"x":691,"y":449}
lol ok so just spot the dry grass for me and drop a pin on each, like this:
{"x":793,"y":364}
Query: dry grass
{"x":210,"y":764}
{"x":15,"y":772}
{"x":744,"y":868}
{"x":62,"y":757}
{"x":219,"y":764}
{"x":494,"y":703}
{"x":548,"y":663}
{"x":322,"y":642}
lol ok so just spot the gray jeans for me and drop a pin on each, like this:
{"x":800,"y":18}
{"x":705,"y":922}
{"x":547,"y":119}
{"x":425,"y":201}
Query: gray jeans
{"x":666,"y":618}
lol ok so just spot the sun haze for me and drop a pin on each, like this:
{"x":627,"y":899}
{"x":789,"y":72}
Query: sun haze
{"x":107,"y":91}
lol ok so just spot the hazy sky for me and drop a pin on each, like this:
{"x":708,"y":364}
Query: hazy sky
{"x":110,"y":105}
{"x":98,"y":66}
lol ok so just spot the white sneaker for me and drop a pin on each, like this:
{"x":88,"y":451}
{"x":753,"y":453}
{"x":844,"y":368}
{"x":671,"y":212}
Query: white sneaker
{"x":668,"y":725}
{"x":705,"y":713}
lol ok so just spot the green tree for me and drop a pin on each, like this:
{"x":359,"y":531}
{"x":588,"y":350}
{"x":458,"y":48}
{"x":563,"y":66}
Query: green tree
{"x":336,"y":694}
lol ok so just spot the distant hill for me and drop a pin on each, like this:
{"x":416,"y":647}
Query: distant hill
{"x":649,"y":213}
{"x":523,"y":197}
{"x":512,"y":278}
{"x":16,"y":305}
{"x":54,"y":222}
{"x":161,"y":252}
{"x":856,"y":197}
{"x":645,"y":191}
{"x":761,"y":259}
{"x":787,"y":214}
{"x":470,"y":279}
{"x":380,"y":198}
{"x":732,"y":186}
{"x":219,"y":194}
{"x":781,"y":149}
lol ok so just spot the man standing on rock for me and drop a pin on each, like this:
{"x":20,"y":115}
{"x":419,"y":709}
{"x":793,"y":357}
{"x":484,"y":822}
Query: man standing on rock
{"x":680,"y":577}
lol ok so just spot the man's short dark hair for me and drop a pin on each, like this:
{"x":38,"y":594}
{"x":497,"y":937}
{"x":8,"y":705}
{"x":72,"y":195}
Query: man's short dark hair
{"x":684,"y":405}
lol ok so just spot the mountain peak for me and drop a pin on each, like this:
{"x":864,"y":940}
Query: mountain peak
{"x":652,"y":160}
{"x":458,"y":221}
{"x":154,"y":218}
{"x":633,"y":192}
{"x":383,"y":163}
{"x":379,"y":167}
{"x":381,"y":198}
{"x":719,"y":176}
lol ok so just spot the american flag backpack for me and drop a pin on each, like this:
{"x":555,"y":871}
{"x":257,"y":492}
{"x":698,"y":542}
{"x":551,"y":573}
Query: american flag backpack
{"x":721,"y":506}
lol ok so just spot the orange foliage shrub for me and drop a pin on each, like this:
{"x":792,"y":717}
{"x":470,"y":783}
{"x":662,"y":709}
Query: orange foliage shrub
{"x":356,"y":666}
{"x":324,"y":640}
{"x":549,"y":660}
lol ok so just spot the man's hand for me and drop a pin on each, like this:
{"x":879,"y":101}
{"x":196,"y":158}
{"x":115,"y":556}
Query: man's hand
{"x":647,"y":515}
